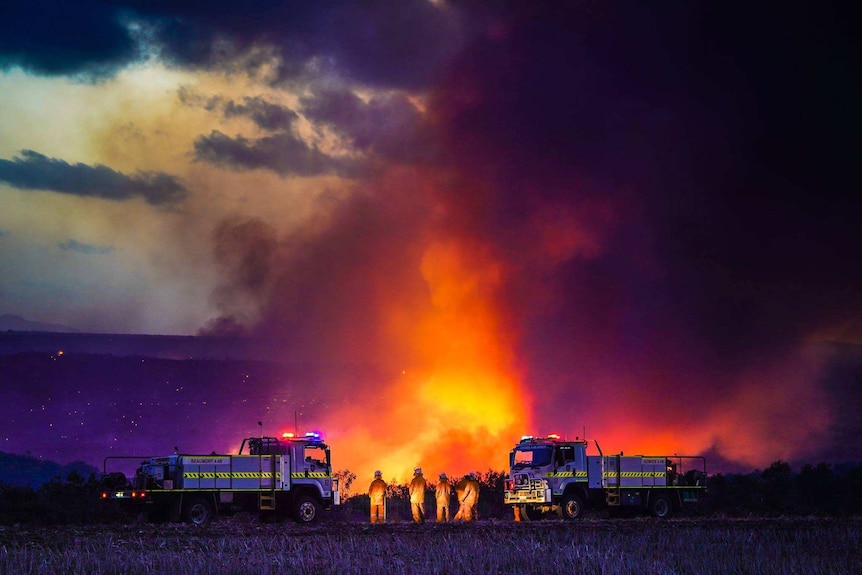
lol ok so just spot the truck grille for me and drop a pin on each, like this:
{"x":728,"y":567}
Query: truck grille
{"x":525,"y":489}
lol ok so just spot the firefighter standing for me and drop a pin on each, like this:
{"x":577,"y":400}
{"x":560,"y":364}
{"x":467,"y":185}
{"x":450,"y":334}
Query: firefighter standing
{"x":377,"y":494}
{"x":417,"y":496}
{"x":444,"y":498}
{"x":472,"y":496}
{"x":468,"y":496}
{"x":460,"y":488}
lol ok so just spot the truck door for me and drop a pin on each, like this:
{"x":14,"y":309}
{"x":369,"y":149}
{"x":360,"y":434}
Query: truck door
{"x":595,"y":471}
{"x":286,"y":468}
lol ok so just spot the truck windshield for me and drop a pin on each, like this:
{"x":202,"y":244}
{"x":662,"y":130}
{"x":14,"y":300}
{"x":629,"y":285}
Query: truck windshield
{"x":531,"y":456}
{"x":316,"y":454}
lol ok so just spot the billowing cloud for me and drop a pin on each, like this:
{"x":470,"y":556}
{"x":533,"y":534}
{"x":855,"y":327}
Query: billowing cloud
{"x":265,"y":115}
{"x":385,"y":125}
{"x":87,"y":38}
{"x":372,"y":43}
{"x":34,"y":171}
{"x":284,"y":153}
{"x":575,"y":251}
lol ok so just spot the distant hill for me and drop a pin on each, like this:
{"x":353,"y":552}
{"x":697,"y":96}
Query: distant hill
{"x":162,"y":346}
{"x":27,"y":471}
{"x":9,"y":322}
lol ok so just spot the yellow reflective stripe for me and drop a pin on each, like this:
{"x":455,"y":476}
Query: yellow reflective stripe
{"x":229,"y":475}
{"x":302,"y":474}
{"x":566,"y":474}
{"x":636,"y":474}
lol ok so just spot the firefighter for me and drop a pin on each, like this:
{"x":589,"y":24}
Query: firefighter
{"x":417,"y":496}
{"x":444,"y":499}
{"x":474,"y":497}
{"x":377,"y":494}
{"x":468,"y":497}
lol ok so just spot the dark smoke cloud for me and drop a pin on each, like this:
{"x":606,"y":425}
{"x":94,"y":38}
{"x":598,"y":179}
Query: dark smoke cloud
{"x":669,"y":195}
{"x":283,"y":153}
{"x":383,"y":129}
{"x":699,"y":161}
{"x":384,"y":125}
{"x":376,"y":43}
{"x":48,"y":37}
{"x":34,"y":171}
{"x":265,"y":115}
{"x":245,"y":250}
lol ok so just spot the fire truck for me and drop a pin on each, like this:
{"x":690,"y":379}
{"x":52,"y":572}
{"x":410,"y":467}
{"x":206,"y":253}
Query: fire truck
{"x":288,"y":475}
{"x":548,"y":474}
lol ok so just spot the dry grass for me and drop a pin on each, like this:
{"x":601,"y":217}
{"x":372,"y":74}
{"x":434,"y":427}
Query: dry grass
{"x":243,"y":546}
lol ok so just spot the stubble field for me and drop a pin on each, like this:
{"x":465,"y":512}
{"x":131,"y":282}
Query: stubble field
{"x":629,"y":546}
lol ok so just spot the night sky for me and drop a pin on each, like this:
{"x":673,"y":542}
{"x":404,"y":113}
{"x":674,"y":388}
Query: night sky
{"x":637,"y":220}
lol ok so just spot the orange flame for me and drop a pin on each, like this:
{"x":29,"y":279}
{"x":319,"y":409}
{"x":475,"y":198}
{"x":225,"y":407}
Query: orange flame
{"x":464,"y":408}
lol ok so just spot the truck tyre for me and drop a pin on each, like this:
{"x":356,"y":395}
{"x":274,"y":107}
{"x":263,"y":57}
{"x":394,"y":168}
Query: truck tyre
{"x":659,"y":507}
{"x":571,"y":507}
{"x":306,"y":509}
{"x":198,"y":511}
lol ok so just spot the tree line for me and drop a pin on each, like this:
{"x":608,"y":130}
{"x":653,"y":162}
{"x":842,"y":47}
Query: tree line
{"x":821,"y":490}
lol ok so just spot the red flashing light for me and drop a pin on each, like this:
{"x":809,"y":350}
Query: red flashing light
{"x":553,"y":436}
{"x":288,"y":435}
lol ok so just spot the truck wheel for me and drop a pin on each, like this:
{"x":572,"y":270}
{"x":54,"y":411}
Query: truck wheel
{"x":571,"y":507}
{"x":306,"y":509}
{"x":198,"y":511}
{"x":659,"y":507}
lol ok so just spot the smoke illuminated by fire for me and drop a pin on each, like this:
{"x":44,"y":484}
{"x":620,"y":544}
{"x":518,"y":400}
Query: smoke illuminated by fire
{"x":527,"y":246}
{"x":463,"y":405}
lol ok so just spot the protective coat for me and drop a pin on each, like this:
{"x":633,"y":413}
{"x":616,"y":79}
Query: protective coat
{"x":443,"y":495}
{"x":377,"y":494}
{"x":417,"y":497}
{"x":460,"y":488}
{"x":468,"y":496}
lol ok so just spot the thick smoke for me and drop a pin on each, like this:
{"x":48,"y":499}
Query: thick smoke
{"x":609,"y":233}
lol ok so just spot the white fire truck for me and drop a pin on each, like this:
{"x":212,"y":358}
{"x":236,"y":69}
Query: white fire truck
{"x":547,"y":474}
{"x":291,"y":476}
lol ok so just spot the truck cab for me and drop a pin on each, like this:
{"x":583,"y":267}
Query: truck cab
{"x":542,"y":471}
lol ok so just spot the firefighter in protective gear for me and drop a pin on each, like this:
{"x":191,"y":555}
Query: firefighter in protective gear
{"x":443,"y":495}
{"x":468,"y":497}
{"x":460,"y":488}
{"x":377,"y":494}
{"x":417,"y":496}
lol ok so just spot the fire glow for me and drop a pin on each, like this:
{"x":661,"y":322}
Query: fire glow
{"x":463,"y":408}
